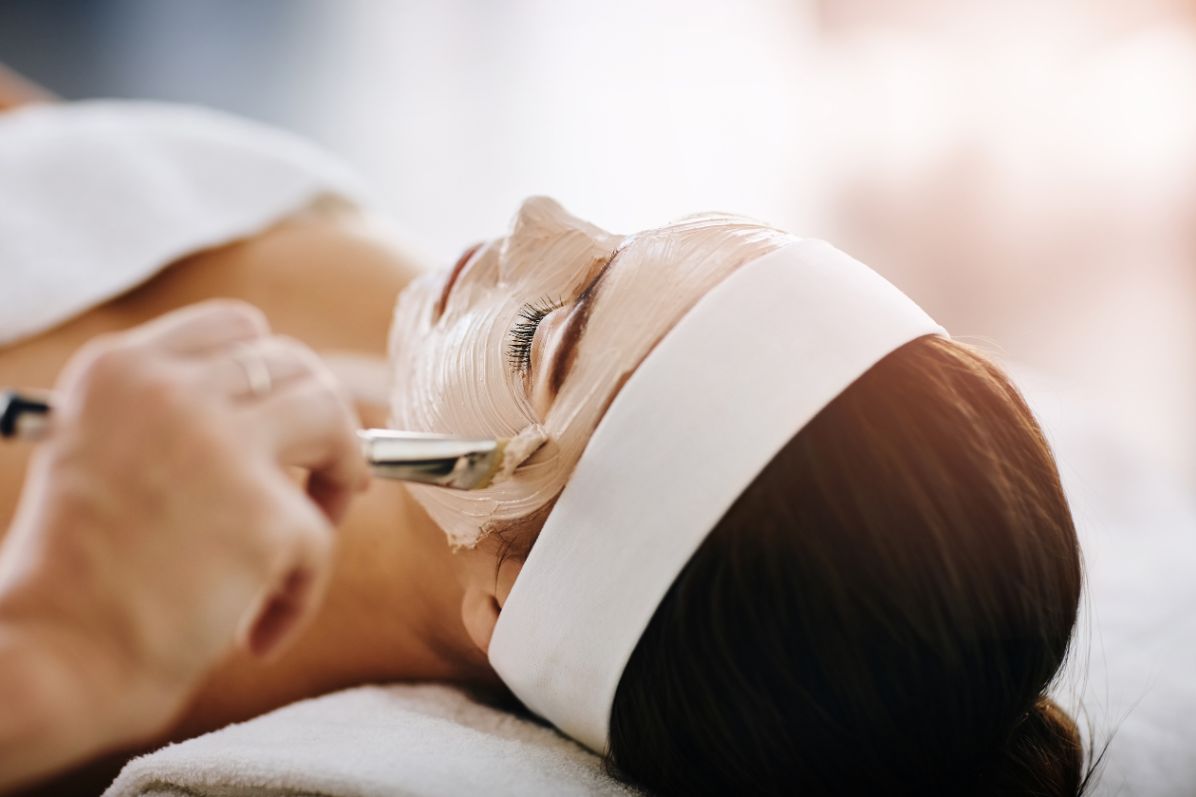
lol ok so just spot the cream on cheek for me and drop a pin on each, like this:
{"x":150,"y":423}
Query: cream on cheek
{"x":451,"y":375}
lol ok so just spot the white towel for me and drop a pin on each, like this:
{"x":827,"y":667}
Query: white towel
{"x":97,"y":197}
{"x":373,"y":741}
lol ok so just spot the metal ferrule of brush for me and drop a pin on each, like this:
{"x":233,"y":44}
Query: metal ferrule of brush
{"x":443,"y":460}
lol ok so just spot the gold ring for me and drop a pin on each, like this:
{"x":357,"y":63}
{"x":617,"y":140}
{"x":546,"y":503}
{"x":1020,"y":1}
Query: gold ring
{"x":257,"y":373}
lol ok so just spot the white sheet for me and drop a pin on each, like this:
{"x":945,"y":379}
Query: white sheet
{"x":1131,"y":673}
{"x":97,"y":197}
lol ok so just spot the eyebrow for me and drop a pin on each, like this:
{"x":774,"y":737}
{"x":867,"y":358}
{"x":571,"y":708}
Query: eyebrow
{"x":575,"y":326}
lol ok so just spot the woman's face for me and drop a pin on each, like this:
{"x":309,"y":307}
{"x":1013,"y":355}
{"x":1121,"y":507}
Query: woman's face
{"x":532,"y":334}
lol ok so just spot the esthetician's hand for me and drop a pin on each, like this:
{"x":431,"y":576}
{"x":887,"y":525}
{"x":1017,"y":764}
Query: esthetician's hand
{"x":161,"y":525}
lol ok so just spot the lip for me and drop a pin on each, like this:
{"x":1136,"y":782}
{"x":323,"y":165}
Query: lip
{"x":451,"y":279}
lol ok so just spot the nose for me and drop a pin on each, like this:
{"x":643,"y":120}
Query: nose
{"x":543,"y":229}
{"x":541,"y":214}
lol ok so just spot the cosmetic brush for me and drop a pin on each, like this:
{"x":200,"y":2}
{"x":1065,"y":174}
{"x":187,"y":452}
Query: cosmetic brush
{"x":457,"y":462}
{"x":24,"y":415}
{"x":460,"y":463}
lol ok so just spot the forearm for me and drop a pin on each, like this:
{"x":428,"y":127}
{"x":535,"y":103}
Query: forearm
{"x":67,"y":693}
{"x":71,"y":687}
{"x":50,"y":719}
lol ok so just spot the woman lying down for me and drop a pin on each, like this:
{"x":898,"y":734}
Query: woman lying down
{"x":777,"y":532}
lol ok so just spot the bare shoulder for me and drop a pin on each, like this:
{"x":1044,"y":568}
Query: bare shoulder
{"x":326,"y":277}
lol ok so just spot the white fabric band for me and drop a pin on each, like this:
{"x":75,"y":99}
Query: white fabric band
{"x":739,"y":375}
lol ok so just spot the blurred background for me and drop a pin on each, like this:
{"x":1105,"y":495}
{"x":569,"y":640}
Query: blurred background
{"x":1024,"y":168}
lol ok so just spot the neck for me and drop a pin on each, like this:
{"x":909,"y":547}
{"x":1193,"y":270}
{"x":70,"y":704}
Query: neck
{"x":397,"y":561}
{"x":417,"y":591}
{"x":434,"y":594}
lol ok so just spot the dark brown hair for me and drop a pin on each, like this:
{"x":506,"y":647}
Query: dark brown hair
{"x":880,"y":612}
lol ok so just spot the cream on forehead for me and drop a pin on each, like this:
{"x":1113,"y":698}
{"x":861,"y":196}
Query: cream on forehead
{"x":451,"y":375}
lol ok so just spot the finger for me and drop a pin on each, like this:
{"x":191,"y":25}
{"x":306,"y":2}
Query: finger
{"x":234,"y":372}
{"x":332,"y":497}
{"x":310,"y":424}
{"x":284,"y":614}
{"x":204,"y":327}
{"x":299,"y":590}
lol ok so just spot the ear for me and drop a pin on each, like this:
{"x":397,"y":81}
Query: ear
{"x":479,"y":612}
{"x":482,"y":603}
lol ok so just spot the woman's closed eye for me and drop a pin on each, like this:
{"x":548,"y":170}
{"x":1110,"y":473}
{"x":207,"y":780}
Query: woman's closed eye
{"x":521,"y":338}
{"x":523,"y":333}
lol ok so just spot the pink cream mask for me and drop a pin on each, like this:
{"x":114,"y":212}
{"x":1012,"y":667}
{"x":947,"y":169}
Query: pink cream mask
{"x":451,"y":371}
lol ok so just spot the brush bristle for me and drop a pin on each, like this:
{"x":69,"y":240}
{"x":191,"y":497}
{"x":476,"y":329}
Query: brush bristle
{"x":514,"y":451}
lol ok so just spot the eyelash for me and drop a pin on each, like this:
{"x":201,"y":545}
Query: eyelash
{"x":523,"y":333}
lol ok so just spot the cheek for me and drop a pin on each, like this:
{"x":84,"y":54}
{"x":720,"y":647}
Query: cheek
{"x":451,"y":376}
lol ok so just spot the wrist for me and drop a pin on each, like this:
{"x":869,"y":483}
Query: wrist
{"x":76,"y":692}
{"x":83,"y":617}
{"x":52,"y":719}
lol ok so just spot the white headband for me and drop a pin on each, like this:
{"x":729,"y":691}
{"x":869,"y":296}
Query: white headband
{"x":738,"y":376}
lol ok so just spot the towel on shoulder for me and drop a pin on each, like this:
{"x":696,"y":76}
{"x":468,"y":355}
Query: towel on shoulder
{"x":97,"y":197}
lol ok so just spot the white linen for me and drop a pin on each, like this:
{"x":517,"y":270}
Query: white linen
{"x":1129,"y":681}
{"x":97,"y":197}
{"x":373,"y":741}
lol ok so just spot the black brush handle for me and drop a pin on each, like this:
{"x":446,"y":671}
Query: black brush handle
{"x":14,"y":406}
